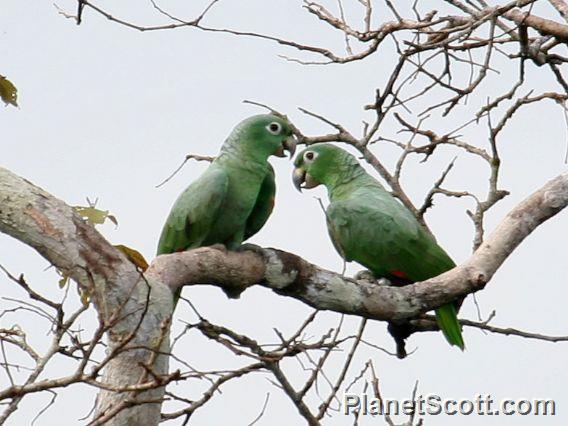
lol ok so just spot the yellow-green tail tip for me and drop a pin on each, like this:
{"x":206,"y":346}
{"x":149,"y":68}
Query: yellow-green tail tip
{"x":447,"y":319}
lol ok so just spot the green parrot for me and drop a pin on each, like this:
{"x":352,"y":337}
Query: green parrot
{"x":368,"y":225}
{"x":234,"y":197}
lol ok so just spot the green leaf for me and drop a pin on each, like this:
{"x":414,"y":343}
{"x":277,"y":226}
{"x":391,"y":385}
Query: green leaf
{"x":94,"y":216}
{"x":8,"y":92}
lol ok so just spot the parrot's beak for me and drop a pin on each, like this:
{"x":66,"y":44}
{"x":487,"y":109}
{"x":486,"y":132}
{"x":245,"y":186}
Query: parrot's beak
{"x":298,"y":177}
{"x":289,"y":145}
{"x":303,"y":180}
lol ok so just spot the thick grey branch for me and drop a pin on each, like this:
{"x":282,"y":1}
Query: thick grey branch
{"x":134,"y":311}
{"x":135,"y":308}
{"x":293,"y":276}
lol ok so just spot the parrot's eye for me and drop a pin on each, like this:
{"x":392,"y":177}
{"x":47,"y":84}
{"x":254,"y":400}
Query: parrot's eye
{"x":310,"y":156}
{"x":274,"y":128}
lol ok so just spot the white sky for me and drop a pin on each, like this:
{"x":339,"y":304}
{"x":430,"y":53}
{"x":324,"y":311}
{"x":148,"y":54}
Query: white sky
{"x":108,"y":113}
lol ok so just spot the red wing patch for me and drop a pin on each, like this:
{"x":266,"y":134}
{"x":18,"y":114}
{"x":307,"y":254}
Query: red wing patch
{"x":399,"y":274}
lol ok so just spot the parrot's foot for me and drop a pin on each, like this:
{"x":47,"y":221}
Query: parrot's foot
{"x":219,"y":247}
{"x":365,"y":275}
{"x":251,"y":247}
{"x":399,"y":332}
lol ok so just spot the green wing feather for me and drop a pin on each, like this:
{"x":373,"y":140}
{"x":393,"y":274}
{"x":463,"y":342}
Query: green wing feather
{"x":374,"y":229}
{"x":337,"y":228}
{"x":263,"y":206}
{"x":194,"y":212}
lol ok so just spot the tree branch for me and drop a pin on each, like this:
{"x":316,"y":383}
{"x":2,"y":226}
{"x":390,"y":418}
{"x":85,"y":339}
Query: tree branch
{"x":135,"y":309}
{"x":132,"y":310}
{"x":292,"y":276}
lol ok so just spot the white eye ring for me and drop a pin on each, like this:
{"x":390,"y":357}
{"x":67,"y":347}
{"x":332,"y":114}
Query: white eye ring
{"x":275,"y":128}
{"x":310,"y":156}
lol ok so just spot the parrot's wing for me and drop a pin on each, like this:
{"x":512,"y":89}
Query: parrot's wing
{"x":391,"y":243}
{"x":263,"y":206}
{"x":386,"y":239}
{"x":337,"y":227}
{"x":194,"y":212}
{"x":352,"y":229}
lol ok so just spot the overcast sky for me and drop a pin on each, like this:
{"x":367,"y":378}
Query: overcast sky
{"x":108,"y":113}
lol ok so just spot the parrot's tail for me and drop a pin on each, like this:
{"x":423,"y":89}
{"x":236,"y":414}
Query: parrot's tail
{"x":447,"y":319}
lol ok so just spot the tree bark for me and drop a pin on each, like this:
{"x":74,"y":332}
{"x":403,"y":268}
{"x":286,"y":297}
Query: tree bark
{"x":135,"y":309}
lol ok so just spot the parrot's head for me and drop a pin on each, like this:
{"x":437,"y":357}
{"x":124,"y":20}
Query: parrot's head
{"x":261,"y":136}
{"x":321,"y":163}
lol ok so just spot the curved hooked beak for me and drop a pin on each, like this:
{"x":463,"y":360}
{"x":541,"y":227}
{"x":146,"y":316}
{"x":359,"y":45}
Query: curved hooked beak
{"x":303,"y":180}
{"x":299,"y":177}
{"x":289,"y":144}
